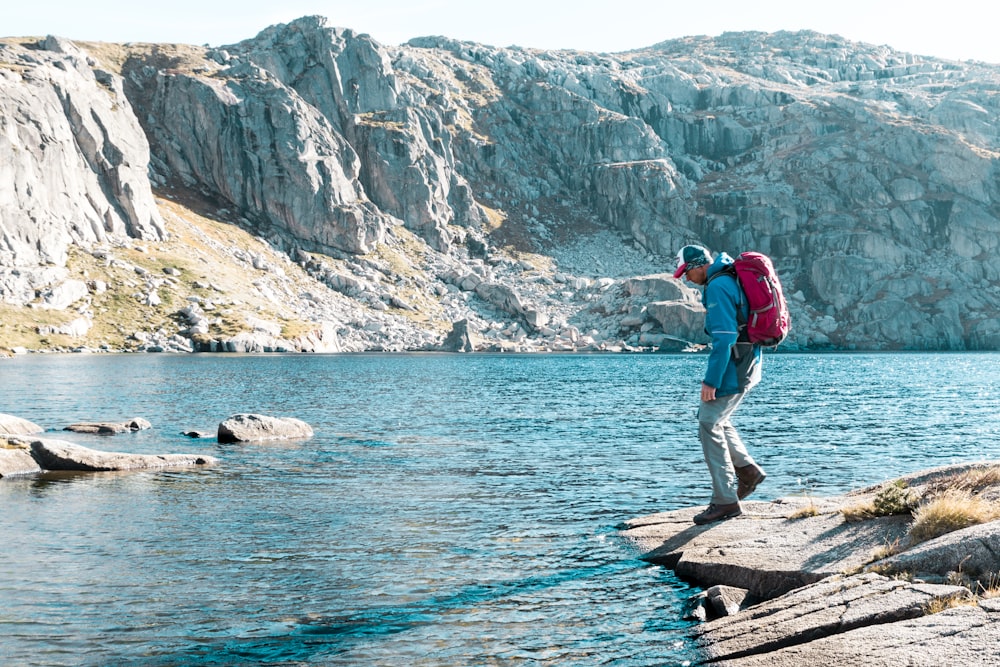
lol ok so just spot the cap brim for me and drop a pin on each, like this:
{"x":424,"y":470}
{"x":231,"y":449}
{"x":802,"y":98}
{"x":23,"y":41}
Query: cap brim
{"x":680,"y":270}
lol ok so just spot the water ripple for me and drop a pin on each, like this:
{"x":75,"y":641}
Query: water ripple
{"x":450,"y":510}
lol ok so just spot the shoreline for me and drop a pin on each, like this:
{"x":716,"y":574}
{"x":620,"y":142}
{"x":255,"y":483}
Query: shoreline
{"x":811,"y":581}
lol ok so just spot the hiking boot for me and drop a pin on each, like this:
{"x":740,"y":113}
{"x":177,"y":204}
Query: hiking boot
{"x":718,"y":513}
{"x":749,"y":477}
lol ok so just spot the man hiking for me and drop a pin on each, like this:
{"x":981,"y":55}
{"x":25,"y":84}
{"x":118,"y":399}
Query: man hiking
{"x":734,"y":367}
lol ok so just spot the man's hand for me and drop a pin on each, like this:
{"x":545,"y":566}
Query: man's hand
{"x":707,"y":392}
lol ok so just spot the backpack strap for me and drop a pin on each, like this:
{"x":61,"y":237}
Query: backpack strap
{"x":741,"y":321}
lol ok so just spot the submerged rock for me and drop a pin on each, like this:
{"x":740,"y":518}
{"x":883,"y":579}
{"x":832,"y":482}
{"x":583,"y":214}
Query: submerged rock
{"x":252,"y":428}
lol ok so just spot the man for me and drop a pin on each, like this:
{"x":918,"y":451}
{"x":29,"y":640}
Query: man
{"x":734,"y":367}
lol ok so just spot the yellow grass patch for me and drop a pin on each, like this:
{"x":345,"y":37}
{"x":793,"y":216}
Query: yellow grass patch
{"x":805,"y":512}
{"x":950,"y":510}
{"x":494,"y":218}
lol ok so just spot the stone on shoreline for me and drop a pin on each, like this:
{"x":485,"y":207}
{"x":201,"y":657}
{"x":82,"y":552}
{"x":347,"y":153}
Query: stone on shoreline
{"x":765,"y":551}
{"x":462,"y":338}
{"x":976,"y":548}
{"x":253,"y":428}
{"x":717,"y":601}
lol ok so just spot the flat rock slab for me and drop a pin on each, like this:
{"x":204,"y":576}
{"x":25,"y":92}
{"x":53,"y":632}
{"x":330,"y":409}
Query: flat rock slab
{"x":12,"y":425}
{"x":961,"y":635}
{"x":663,"y":531}
{"x":833,"y":606}
{"x":253,"y":428}
{"x":766,"y":551}
{"x":60,"y":455}
{"x":109,"y":428}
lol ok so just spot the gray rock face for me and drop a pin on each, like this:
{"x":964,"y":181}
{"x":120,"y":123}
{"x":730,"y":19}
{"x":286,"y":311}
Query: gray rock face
{"x":255,"y":144}
{"x":75,"y":160}
{"x":253,"y":428}
{"x":399,"y":146}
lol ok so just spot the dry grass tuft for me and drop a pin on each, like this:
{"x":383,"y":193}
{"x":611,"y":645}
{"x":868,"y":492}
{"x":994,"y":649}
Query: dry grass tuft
{"x":858,"y":512}
{"x":950,"y":510}
{"x":804,"y":513}
{"x":937,"y":605}
{"x":989,"y":585}
{"x":889,"y":549}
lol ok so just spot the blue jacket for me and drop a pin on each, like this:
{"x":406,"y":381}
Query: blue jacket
{"x":729,"y":370}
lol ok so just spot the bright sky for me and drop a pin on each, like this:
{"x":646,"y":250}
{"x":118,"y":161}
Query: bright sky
{"x":955,"y":29}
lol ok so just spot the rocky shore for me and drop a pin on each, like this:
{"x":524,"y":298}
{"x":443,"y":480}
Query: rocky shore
{"x":902,"y":573}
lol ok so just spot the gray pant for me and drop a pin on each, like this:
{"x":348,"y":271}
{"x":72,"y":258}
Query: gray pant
{"x":722,"y":446}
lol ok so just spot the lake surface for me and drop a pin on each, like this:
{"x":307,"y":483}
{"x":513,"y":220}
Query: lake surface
{"x":450,"y":510}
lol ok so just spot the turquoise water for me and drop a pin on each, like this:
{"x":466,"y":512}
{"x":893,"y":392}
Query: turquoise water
{"x":451,"y":510}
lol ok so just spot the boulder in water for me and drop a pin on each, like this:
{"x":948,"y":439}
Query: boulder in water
{"x":252,"y":427}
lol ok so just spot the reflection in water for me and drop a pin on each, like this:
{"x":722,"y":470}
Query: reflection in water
{"x":449,"y":510}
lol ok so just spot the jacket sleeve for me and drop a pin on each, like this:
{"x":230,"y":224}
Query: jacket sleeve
{"x":721,"y":325}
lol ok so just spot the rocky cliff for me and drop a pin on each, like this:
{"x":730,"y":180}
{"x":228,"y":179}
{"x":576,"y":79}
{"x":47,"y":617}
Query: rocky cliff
{"x":311,"y":189}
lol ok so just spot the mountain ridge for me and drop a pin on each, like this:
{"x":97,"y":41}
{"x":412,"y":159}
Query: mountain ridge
{"x":521,"y":190}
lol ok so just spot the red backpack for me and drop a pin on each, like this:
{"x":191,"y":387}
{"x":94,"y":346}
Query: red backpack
{"x":769,"y":322}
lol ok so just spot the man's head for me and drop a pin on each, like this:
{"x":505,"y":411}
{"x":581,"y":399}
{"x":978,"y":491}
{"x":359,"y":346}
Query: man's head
{"x":692,"y":263}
